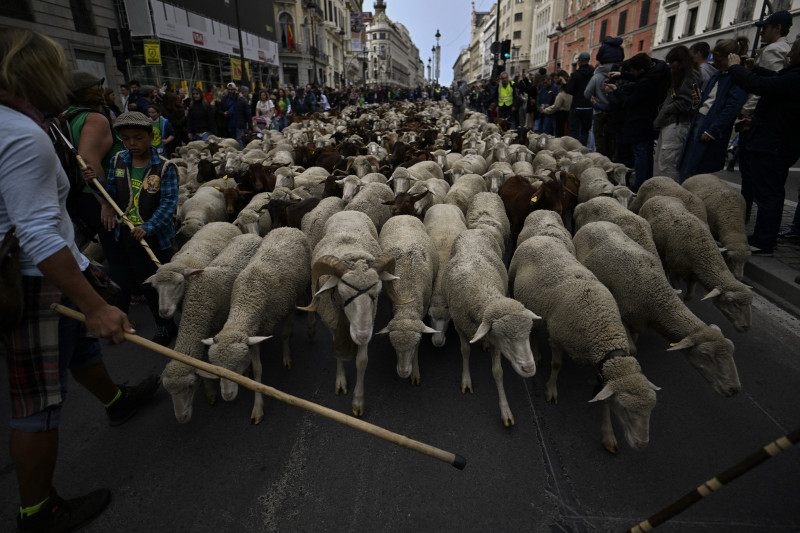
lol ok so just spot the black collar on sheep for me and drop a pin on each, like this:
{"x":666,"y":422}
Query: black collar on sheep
{"x":609,"y":356}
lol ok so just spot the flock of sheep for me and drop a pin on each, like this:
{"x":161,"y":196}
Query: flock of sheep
{"x":616,"y":273}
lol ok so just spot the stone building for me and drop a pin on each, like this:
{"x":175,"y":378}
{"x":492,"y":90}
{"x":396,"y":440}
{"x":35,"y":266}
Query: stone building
{"x":392,"y":57}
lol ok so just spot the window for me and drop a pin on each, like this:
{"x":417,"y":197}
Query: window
{"x":623,"y":21}
{"x":644,"y":16}
{"x":82,"y":16}
{"x":641,"y":45}
{"x":517,"y":17}
{"x":603,"y":30}
{"x":18,"y":9}
{"x":746,"y":8}
{"x":716,"y":14}
{"x":691,"y":21}
{"x":517,"y":35}
{"x":286,"y":26}
{"x":670,"y":29}
{"x":555,"y":50}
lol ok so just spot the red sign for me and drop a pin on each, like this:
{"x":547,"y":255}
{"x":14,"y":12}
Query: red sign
{"x":198,"y":37}
{"x":262,"y":56}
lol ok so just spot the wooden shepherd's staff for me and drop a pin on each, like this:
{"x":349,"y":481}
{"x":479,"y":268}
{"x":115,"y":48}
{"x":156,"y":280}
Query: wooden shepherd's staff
{"x":99,"y":187}
{"x":451,"y":458}
{"x":770,"y":450}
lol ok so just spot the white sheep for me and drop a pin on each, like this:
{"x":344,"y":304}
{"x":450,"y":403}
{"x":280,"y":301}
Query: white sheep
{"x":594,"y":182}
{"x":437,"y":192}
{"x":486,"y":210}
{"x":417,"y":265}
{"x":264,"y":294}
{"x":547,"y":223}
{"x":607,"y":209}
{"x":205,"y":309}
{"x":463,"y":189}
{"x":313,"y":223}
{"x":469,"y":164}
{"x":664,"y":186}
{"x":544,"y":161}
{"x":349,"y":262}
{"x":725,"y":208}
{"x":647,"y":302}
{"x":582,"y":320}
{"x":370,"y":201}
{"x":169,"y":281}
{"x":688,"y":251}
{"x":206,"y":206}
{"x":443,"y":223}
{"x":475,"y":285}
{"x":254,"y":217}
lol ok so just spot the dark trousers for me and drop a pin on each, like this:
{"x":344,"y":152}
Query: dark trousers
{"x":747,"y":173}
{"x":770,"y":172}
{"x":580,"y":122}
{"x":603,"y":139}
{"x":561,"y":122}
{"x":642,"y":162}
{"x":129,"y":266}
{"x":504,"y":112}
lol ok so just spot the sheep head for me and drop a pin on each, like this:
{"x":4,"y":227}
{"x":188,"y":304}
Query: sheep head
{"x":507,"y":325}
{"x":711,"y":354}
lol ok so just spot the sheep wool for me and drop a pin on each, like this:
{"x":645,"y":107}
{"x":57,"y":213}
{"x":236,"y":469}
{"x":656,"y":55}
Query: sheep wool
{"x":486,"y":210}
{"x":607,"y":209}
{"x":665,"y":186}
{"x":547,"y":223}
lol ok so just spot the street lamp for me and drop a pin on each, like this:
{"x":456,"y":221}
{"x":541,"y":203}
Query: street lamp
{"x":438,"y":56}
{"x":313,"y":7}
{"x":429,"y":71}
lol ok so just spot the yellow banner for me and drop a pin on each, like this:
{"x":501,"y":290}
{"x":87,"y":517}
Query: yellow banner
{"x":184,"y":85}
{"x":236,"y":68}
{"x":152,"y":52}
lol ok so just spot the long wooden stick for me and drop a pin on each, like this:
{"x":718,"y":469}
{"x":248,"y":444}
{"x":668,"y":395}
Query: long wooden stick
{"x":451,"y":458}
{"x":770,"y":450}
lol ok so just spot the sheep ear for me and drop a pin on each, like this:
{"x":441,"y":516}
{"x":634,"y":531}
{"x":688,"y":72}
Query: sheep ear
{"x":204,"y":374}
{"x":682,"y":345}
{"x":723,"y":250}
{"x":384,"y":331}
{"x":447,"y":151}
{"x":483,"y":329}
{"x":330,"y":284}
{"x":533,"y":316}
{"x":390,"y":202}
{"x":428,"y":329}
{"x":149,"y":280}
{"x":192,"y":272}
{"x":604,"y":394}
{"x":653,"y":386}
{"x":387,"y":276}
{"x":713,"y":294}
{"x":255,"y":340}
{"x":208,"y":342}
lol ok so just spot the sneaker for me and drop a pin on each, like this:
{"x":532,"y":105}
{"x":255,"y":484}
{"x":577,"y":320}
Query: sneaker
{"x":58,"y":514}
{"x":762,"y":253}
{"x":132,"y":398}
{"x":789,"y":234}
{"x":165,"y":333}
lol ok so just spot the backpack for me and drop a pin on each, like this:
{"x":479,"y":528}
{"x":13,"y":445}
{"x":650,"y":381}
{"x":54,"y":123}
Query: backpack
{"x":458,"y":98}
{"x":69,"y":162}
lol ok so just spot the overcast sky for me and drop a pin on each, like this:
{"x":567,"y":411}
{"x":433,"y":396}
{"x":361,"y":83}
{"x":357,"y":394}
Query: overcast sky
{"x":424,"y":17}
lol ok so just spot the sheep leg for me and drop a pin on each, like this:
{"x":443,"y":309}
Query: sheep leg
{"x":210,"y":388}
{"x":555,"y":365}
{"x":358,"y":393}
{"x":534,"y":342}
{"x":607,"y":430}
{"x":257,"y":415}
{"x":466,"y":379}
{"x":415,"y":367}
{"x":497,"y":372}
{"x":286,"y":337}
{"x":341,"y":378}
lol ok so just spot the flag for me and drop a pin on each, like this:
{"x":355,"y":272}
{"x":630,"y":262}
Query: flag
{"x":290,"y":38}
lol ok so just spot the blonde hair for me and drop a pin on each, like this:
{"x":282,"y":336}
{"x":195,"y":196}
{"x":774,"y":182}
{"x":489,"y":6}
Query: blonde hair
{"x":33,"y":68}
{"x":738,"y":46}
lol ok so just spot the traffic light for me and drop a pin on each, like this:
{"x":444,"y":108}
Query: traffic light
{"x":505,"y":49}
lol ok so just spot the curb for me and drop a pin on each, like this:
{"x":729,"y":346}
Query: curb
{"x":775,"y":281}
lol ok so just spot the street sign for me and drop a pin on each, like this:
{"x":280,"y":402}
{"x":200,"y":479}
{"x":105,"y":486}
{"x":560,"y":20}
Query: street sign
{"x":152,"y":52}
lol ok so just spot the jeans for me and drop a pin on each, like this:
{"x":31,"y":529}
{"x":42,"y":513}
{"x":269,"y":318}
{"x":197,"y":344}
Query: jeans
{"x":579,"y":124}
{"x":770,"y":172}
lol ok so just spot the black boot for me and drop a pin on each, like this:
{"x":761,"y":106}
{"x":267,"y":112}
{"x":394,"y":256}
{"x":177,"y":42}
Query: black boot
{"x":132,"y":398}
{"x":60,"y":515}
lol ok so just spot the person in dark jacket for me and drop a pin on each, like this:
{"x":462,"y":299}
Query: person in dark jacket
{"x":774,"y":140}
{"x":236,"y":111}
{"x":641,"y":98}
{"x":720,"y":102}
{"x":609,"y":56}
{"x":580,"y":112}
{"x":200,"y":121}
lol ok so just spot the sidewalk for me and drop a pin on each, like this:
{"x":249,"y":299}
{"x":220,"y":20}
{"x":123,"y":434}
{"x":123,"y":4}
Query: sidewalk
{"x":774,"y":277}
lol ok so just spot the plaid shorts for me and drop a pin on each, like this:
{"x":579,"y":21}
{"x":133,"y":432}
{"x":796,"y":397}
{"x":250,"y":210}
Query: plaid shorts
{"x":39,"y":352}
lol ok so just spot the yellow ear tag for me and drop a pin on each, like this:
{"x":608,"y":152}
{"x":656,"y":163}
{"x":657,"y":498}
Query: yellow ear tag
{"x":673,"y":344}
{"x":225,"y":177}
{"x":534,"y":199}
{"x":329,"y":291}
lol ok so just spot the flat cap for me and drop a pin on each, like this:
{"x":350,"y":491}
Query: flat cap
{"x":132,"y":119}
{"x":584,"y":56}
{"x":80,"y":79}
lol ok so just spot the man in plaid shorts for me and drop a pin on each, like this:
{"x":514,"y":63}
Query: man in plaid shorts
{"x":43,"y":346}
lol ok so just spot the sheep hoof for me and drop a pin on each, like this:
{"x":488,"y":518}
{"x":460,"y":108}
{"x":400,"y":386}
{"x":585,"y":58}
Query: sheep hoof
{"x":343,"y":389}
{"x":552,"y":398}
{"x":212,"y":400}
{"x":358,"y":410}
{"x":508,"y":421}
{"x":466,"y":388}
{"x":611,"y":446}
{"x":415,"y":380}
{"x":287,"y":365}
{"x":255,"y":420}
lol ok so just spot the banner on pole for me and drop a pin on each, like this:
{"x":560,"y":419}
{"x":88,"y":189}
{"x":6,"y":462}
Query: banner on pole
{"x":152,"y":52}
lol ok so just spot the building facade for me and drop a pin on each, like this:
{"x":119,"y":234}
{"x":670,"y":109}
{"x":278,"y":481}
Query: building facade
{"x":587,"y":23}
{"x":392,"y":58}
{"x":682,"y":22}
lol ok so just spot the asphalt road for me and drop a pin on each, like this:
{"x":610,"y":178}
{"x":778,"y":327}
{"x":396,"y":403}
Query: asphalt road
{"x":297,"y":471}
